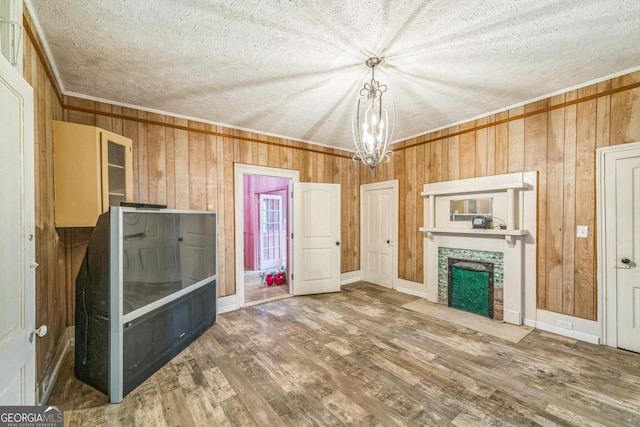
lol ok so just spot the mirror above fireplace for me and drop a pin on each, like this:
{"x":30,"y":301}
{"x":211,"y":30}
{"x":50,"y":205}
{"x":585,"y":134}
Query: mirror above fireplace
{"x":467,"y":209}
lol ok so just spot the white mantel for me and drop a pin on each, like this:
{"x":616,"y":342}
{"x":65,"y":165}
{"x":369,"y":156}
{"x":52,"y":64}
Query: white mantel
{"x":515,"y":200}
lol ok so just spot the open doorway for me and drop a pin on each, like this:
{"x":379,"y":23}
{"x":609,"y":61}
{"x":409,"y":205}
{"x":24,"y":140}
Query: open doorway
{"x":263,"y":228}
{"x":266,"y":232}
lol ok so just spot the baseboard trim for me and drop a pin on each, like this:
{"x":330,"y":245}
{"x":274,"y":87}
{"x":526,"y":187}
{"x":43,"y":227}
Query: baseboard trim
{"x":513,"y":317}
{"x":71,"y":332}
{"x":568,"y":326}
{"x":581,"y":336}
{"x":45,"y":387}
{"x":412,"y":292}
{"x":349,"y":277}
{"x":227,"y":304}
{"x":411,"y":288}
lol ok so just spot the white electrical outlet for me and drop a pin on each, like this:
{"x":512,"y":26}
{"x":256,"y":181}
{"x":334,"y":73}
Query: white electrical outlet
{"x":583,"y":231}
{"x":564,"y":324}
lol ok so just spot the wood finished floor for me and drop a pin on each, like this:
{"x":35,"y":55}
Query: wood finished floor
{"x":358,"y":358}
{"x":255,"y":292}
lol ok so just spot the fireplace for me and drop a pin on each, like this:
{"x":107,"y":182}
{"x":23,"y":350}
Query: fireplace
{"x":470,"y":286}
{"x":510,"y":248}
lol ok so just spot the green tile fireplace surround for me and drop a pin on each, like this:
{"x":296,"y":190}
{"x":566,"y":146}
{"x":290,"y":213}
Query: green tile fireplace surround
{"x":495,"y":258}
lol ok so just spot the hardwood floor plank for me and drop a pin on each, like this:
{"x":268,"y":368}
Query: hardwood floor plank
{"x":571,"y":417}
{"x":176,"y":409}
{"x":256,"y":404}
{"x":237,"y":413}
{"x":66,"y":387}
{"x":149,"y":405}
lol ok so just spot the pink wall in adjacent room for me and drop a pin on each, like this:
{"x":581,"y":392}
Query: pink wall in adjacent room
{"x":254,"y":185}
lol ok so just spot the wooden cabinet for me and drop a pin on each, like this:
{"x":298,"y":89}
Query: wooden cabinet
{"x":92,"y":171}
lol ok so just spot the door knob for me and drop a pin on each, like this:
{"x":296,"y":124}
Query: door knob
{"x":388,"y":241}
{"x":337,"y":243}
{"x":41,"y":331}
{"x":627,"y":264}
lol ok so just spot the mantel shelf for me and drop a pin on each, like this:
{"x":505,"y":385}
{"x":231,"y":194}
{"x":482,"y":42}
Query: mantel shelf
{"x":474,"y":189}
{"x":475,"y":231}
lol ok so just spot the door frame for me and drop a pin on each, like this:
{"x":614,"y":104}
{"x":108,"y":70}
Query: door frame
{"x":239,"y":171}
{"x":606,"y":236}
{"x":393,"y":185}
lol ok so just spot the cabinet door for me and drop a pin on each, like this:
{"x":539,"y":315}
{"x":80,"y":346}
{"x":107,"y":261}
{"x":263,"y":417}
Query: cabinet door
{"x":117,"y":182}
{"x":77,"y":175}
{"x":93,"y":170}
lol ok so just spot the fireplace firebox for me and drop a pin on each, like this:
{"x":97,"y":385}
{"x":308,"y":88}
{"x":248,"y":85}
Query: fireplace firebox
{"x":470,"y":286}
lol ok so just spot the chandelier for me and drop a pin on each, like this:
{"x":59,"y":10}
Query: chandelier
{"x":373,"y":121}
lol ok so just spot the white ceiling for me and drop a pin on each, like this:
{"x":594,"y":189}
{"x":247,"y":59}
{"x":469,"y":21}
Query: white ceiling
{"x":294,"y":68}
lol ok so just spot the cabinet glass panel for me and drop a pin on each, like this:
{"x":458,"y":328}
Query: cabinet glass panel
{"x":116,"y":154}
{"x":117,"y":178}
{"x":116,"y":199}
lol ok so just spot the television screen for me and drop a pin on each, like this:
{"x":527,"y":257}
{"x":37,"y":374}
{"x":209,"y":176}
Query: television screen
{"x":164,"y":253}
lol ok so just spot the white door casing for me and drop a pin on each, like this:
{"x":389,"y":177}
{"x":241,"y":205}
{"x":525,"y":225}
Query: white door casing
{"x":618,"y":225}
{"x":316,"y":238}
{"x":17,"y":247}
{"x":379,"y":233}
{"x":239,"y":171}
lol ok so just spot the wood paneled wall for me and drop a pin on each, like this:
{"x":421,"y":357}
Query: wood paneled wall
{"x":557,"y":137}
{"x":189,"y":165}
{"x":51,"y":301}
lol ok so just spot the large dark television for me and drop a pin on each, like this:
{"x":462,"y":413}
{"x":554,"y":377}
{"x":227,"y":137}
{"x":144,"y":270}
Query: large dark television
{"x":145,"y":290}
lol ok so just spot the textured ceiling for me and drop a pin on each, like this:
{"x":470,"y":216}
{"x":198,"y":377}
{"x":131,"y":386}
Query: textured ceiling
{"x":294,"y":68}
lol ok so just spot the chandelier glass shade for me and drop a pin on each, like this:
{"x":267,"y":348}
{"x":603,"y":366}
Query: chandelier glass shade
{"x":373,"y":122}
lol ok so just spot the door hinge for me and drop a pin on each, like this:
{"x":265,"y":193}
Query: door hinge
{"x":292,"y":235}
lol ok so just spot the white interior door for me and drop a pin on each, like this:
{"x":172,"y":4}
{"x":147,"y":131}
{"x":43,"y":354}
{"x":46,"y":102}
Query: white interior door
{"x":17,"y":264}
{"x":316,"y":238}
{"x":628,"y":252}
{"x":378,"y":233}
